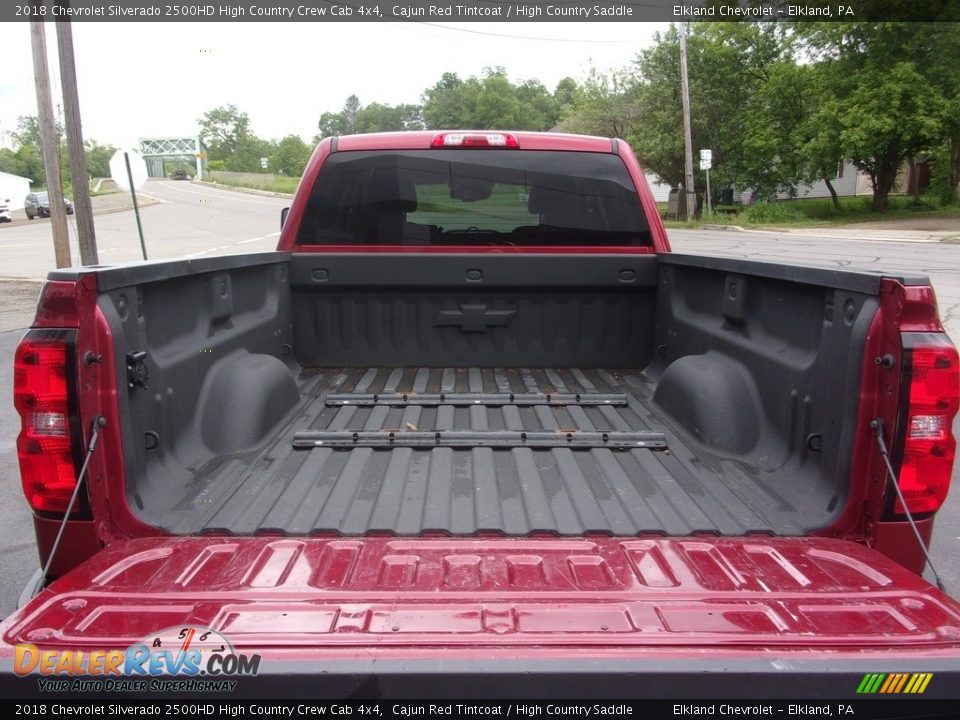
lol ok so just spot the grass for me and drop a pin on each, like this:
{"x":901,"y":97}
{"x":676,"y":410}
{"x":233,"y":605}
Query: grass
{"x":270,"y":183}
{"x":812,"y":212}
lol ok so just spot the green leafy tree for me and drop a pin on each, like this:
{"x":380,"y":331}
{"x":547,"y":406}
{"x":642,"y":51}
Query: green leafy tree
{"x":657,"y":133}
{"x":880,"y":94}
{"x":604,"y":104}
{"x":98,"y":158}
{"x":332,"y":124}
{"x":28,"y":131}
{"x":247,"y":153}
{"x":29,"y":151}
{"x":441,"y":103}
{"x":491,"y":101}
{"x":541,"y":108}
{"x":223,"y":130}
{"x":25,"y":161}
{"x":290,"y":156}
{"x":943,"y":70}
{"x":565,"y":93}
{"x":375,"y":117}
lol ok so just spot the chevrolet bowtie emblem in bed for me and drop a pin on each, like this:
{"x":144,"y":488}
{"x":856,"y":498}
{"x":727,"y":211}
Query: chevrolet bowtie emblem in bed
{"x":474,"y":318}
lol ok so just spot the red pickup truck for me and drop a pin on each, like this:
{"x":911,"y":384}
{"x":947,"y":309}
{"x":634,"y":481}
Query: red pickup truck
{"x":473,"y":429}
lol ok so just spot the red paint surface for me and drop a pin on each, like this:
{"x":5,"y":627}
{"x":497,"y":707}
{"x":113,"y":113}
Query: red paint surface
{"x":314,"y":595}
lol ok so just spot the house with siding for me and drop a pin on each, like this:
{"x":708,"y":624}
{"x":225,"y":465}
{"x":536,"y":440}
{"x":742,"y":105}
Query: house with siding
{"x":849,"y":182}
{"x":660,"y":189}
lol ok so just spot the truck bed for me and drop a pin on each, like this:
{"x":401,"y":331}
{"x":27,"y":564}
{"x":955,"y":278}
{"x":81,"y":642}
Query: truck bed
{"x":739,"y":380}
{"x":513,"y":491}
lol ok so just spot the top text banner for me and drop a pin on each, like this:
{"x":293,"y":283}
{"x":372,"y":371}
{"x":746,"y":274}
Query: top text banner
{"x":481,"y":11}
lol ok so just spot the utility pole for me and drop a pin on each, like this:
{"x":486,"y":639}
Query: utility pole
{"x":687,"y":134}
{"x":78,"y":158}
{"x":49,"y":143}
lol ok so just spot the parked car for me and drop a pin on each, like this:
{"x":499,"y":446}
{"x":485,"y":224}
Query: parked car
{"x":5,"y":210}
{"x":475,"y":429}
{"x":38,"y":205}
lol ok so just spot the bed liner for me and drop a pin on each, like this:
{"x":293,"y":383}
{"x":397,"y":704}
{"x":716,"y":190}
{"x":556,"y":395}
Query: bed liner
{"x":514,"y":491}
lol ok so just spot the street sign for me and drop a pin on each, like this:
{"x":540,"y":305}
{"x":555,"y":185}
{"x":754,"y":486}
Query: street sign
{"x":706,"y":155}
{"x":118,"y":170}
{"x":263,"y":163}
{"x":705,"y":164}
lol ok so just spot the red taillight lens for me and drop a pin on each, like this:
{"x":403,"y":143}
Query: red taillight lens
{"x":44,"y":446}
{"x":474,"y":140}
{"x":929,"y":446}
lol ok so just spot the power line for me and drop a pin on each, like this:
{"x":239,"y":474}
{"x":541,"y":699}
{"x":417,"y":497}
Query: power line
{"x":507,"y":36}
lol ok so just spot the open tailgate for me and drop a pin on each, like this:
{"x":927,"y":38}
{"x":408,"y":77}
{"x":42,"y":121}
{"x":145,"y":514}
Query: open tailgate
{"x":653,"y":617}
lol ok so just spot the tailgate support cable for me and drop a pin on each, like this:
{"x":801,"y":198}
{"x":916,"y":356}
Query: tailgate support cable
{"x":877,"y":426}
{"x":98,"y":423}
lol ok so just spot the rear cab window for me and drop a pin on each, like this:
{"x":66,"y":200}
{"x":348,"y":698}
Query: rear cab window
{"x":474,"y":197}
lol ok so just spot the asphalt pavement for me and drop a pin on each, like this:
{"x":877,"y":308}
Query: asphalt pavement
{"x":187,"y":220}
{"x":190,"y":220}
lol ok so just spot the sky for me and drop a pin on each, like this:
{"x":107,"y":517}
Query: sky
{"x":155,"y":79}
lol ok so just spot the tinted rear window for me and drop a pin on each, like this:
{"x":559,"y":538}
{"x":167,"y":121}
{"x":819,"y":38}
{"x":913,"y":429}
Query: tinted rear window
{"x":473,"y":197}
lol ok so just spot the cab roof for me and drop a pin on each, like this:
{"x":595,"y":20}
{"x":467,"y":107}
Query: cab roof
{"x":422,"y":139}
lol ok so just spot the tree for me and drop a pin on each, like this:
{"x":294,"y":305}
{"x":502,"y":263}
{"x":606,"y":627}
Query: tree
{"x":491,"y":101}
{"x":290,"y":156}
{"x":943,"y":71}
{"x":222,"y":130}
{"x":350,"y":109}
{"x":603,"y":104}
{"x":98,"y":158}
{"x":28,"y":131}
{"x":441,"y":103}
{"x":819,"y":147}
{"x":332,"y":124}
{"x":542,"y":108}
{"x":247,"y":153}
{"x":881,"y":95}
{"x":28,"y":154}
{"x":26,"y":161}
{"x":375,"y":117}
{"x":565,"y":93}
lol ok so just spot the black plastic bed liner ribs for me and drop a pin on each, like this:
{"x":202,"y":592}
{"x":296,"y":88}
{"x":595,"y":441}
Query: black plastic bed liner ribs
{"x":581,"y":440}
{"x":485,"y":399}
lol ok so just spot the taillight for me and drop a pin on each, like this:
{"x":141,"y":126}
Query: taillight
{"x":41,"y":394}
{"x":474,"y":140}
{"x":928,"y":443}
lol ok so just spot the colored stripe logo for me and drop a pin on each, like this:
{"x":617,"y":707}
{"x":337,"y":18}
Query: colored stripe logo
{"x":894,"y":683}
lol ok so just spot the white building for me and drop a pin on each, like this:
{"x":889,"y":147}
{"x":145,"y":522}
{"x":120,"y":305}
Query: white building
{"x":14,"y":188}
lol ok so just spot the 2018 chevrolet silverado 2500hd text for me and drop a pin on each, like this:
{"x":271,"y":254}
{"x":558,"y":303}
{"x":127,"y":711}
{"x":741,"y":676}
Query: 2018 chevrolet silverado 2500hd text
{"x":474,"y":428}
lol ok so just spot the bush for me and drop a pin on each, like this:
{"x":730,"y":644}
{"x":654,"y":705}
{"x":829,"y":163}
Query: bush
{"x":772,"y":213}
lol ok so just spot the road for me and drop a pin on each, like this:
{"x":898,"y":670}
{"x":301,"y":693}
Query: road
{"x":194,"y":220}
{"x":190,"y":220}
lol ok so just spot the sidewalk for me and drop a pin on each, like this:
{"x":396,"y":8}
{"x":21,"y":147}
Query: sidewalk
{"x":859,"y":232}
{"x":101,"y":204}
{"x":891,"y":231}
